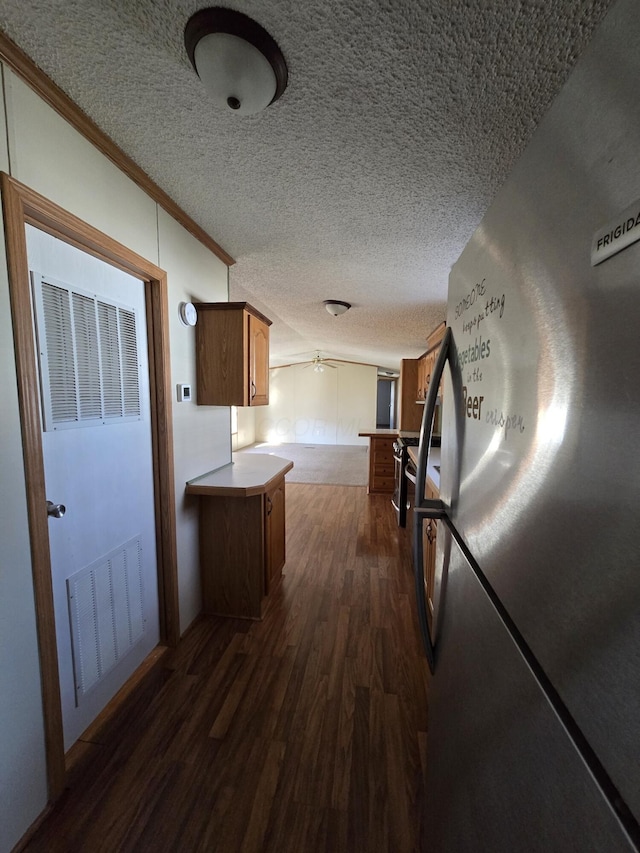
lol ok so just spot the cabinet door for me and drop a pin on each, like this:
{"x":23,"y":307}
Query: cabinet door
{"x":430,"y":363}
{"x":410,"y":416}
{"x":221,"y":364}
{"x":258,"y":362}
{"x":421,"y":374}
{"x":275,"y":534}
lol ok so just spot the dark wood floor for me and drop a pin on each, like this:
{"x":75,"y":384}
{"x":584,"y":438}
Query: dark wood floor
{"x":304,"y":732}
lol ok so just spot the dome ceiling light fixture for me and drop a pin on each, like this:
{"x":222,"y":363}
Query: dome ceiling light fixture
{"x":335,"y":307}
{"x":241,"y":66}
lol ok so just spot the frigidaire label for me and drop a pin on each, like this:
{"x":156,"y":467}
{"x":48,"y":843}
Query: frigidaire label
{"x":617,"y":235}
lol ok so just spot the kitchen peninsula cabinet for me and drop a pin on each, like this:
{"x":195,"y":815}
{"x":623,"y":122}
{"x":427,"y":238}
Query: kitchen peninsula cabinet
{"x":242,"y":533}
{"x":232,"y":355}
{"x":381,"y":466}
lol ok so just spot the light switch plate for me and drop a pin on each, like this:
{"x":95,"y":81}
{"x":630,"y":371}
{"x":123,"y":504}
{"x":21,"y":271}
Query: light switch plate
{"x":184,"y":393}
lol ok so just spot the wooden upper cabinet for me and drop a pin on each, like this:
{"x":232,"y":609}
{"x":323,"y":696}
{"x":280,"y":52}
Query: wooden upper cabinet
{"x":433,"y":342}
{"x":410,"y":415}
{"x":258,"y":361}
{"x":422,"y":378}
{"x":232,"y":355}
{"x":427,"y":362}
{"x":435,"y":337}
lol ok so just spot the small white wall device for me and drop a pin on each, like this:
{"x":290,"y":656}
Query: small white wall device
{"x":188,"y":313}
{"x":184,"y":393}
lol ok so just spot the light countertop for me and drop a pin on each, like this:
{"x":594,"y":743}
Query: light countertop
{"x":434,"y":459}
{"x":246,"y":475}
{"x":387,"y":433}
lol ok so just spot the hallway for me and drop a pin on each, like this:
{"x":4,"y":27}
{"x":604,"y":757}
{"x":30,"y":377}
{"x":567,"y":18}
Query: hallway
{"x":303,"y":732}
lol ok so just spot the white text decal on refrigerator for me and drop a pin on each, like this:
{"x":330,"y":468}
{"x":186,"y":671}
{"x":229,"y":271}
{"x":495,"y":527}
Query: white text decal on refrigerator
{"x":483,"y":305}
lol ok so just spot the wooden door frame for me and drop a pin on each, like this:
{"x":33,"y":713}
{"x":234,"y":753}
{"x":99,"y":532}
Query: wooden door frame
{"x":22,"y":206}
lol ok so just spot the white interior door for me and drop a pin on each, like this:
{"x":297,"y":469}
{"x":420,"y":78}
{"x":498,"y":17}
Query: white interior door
{"x":91,"y":342}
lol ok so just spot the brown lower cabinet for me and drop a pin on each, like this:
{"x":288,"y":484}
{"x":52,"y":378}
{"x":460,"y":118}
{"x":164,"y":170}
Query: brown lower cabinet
{"x":381,"y":466}
{"x":274,"y":534}
{"x":242,"y":550}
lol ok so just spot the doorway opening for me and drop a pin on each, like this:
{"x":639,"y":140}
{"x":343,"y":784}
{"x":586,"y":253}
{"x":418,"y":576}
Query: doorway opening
{"x":386,"y":403}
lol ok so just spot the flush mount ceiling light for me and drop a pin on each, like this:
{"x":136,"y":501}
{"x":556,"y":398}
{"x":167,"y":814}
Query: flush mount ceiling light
{"x":239,"y":63}
{"x":335,"y":307}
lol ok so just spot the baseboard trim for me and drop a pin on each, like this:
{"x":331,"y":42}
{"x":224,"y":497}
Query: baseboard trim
{"x":35,"y":826}
{"x":92,"y":733}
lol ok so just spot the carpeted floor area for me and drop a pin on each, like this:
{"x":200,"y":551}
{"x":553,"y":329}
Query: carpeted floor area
{"x":329,"y":464}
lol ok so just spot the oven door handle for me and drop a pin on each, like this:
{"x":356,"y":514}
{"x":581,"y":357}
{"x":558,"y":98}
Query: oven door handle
{"x":410,"y":473}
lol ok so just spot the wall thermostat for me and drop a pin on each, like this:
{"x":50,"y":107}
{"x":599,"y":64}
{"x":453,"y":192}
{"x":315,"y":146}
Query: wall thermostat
{"x":184,"y":393}
{"x":188,"y":313}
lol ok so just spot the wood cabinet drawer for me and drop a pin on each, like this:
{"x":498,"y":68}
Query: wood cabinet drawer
{"x":382,"y":484}
{"x":380,"y":448}
{"x":384,"y":469}
{"x":382,"y":461}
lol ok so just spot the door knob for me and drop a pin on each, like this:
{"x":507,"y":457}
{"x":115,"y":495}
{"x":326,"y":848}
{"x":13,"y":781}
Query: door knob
{"x":55,"y":510}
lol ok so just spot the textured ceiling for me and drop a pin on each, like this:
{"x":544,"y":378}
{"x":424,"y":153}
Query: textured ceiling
{"x":365,"y":180}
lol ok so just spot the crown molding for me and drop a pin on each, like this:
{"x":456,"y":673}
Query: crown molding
{"x":22,"y":65}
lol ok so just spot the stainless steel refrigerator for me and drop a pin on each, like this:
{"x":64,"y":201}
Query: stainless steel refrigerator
{"x":534,"y":704}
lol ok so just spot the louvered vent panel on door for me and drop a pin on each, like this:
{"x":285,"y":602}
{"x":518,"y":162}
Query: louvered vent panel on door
{"x":129,"y":361}
{"x":88,"y":350}
{"x":106,"y":609}
{"x":110,"y":353}
{"x":87,"y":356}
{"x":58,"y":338}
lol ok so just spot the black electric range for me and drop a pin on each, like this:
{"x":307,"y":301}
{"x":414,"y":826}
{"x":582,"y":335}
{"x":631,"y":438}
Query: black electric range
{"x":404,"y":471}
{"x":400,"y":459}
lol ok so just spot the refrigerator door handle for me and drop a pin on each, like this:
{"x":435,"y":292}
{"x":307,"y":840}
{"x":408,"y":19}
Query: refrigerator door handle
{"x":425,"y":508}
{"x":426,"y":427}
{"x":430,"y":509}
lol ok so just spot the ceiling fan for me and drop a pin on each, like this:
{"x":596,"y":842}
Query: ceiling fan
{"x":318,"y":363}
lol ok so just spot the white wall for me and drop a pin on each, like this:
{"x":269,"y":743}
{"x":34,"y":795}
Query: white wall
{"x":319,"y":408}
{"x":201,"y":434}
{"x":45,"y":153}
{"x":246,"y":427}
